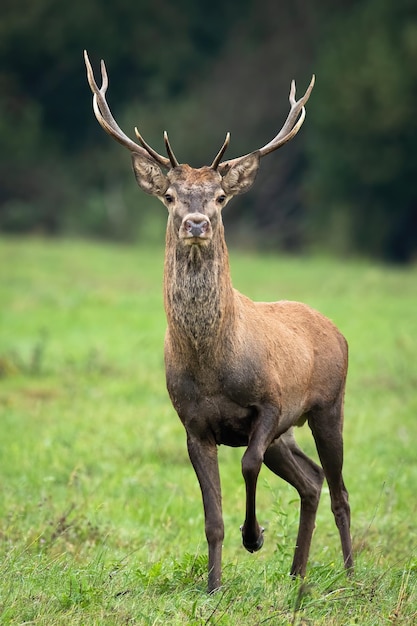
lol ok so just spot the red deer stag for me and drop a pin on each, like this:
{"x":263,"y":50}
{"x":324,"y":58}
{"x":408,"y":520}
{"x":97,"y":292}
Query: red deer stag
{"x":238,"y":372}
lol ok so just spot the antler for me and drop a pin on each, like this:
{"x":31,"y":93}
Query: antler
{"x":106,"y":120}
{"x":220,"y":153}
{"x":290,"y":128}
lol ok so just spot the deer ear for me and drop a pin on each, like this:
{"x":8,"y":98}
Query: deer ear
{"x":239,"y":176}
{"x":149,"y":175}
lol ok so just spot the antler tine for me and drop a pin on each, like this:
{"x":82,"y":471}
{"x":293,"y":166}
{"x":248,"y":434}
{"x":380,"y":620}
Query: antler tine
{"x":106,"y":120}
{"x":170,"y":151}
{"x":290,"y":128}
{"x":166,"y":162}
{"x":220,"y":153}
{"x":101,"y":108}
{"x":104,"y":76}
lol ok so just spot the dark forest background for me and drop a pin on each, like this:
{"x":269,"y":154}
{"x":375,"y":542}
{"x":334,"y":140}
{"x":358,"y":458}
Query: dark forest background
{"x":347,"y":184}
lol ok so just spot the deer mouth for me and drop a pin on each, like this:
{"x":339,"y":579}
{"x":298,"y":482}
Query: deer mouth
{"x":196,"y":241}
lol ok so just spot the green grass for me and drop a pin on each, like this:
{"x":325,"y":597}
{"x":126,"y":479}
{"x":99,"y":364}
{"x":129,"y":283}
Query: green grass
{"x":101,"y":519}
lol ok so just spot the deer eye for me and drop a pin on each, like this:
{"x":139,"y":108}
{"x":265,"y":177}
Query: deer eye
{"x":221,"y":199}
{"x":168,"y":198}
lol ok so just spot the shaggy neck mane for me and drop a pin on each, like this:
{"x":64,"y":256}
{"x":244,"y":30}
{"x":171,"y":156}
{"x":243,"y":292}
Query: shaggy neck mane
{"x":198,"y":295}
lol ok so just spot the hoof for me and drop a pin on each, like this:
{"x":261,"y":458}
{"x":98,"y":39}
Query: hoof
{"x":253,"y":546}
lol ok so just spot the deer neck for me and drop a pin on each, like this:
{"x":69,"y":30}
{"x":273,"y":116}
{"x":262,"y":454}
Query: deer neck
{"x":198,"y":295}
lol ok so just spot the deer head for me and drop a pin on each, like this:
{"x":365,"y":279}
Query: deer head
{"x":193,"y":197}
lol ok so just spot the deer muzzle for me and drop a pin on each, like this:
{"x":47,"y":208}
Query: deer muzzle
{"x":195,"y":228}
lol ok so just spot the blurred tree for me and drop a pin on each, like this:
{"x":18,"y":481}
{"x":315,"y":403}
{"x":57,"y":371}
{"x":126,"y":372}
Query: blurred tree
{"x":153,"y":50}
{"x":362,"y":169}
{"x":200,"y":69}
{"x":246,"y":92}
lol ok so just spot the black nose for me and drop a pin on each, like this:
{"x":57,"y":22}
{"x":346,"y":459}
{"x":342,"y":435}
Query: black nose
{"x":196,"y":229}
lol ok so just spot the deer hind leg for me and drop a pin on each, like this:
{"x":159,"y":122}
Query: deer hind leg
{"x":326,"y":426}
{"x":288,"y":461}
{"x":204,"y":459}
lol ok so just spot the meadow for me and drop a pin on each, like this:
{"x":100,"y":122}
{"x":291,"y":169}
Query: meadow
{"x":101,"y":521}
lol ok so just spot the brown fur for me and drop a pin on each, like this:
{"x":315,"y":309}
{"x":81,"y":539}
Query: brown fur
{"x":244,"y":373}
{"x":238,"y":372}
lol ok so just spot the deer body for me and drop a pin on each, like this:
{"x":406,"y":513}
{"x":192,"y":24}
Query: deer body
{"x":232,"y":355}
{"x":238,"y":372}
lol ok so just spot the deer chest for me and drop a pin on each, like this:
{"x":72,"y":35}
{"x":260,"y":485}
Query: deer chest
{"x":217,"y":405}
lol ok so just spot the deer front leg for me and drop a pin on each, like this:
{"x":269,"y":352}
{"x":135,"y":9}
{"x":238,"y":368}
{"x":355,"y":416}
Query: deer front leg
{"x":203,"y":456}
{"x":252,"y":532}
